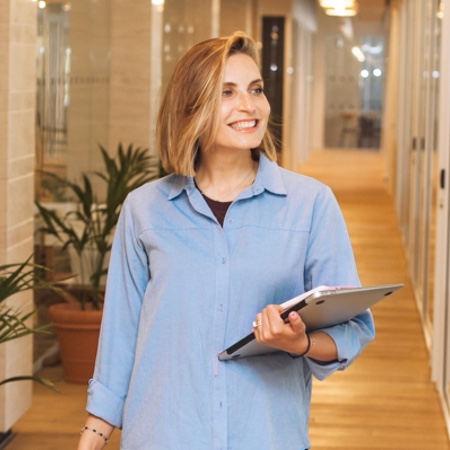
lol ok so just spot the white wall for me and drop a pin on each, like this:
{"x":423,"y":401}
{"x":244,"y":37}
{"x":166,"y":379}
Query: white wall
{"x":17,"y":103}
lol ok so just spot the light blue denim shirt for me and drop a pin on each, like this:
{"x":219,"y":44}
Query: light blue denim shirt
{"x":181,"y":289}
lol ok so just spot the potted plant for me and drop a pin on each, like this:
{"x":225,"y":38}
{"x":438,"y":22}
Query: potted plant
{"x":14,"y":323}
{"x":86,"y":231}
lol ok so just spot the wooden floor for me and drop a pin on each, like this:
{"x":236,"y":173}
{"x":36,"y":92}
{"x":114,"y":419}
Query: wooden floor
{"x":384,"y":401}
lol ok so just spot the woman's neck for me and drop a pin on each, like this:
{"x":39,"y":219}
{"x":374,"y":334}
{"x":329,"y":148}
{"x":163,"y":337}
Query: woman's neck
{"x":223,"y":179}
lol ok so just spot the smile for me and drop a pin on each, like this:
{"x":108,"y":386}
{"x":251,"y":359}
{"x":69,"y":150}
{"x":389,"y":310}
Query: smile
{"x":244,"y":125}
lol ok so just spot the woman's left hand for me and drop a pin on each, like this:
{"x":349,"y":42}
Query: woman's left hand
{"x":270,"y":329}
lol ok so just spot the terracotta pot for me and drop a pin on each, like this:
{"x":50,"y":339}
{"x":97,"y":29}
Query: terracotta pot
{"x":77,"y":332}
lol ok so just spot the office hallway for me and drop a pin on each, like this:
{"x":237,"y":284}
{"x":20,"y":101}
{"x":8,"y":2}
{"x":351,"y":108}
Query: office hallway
{"x":384,"y":401}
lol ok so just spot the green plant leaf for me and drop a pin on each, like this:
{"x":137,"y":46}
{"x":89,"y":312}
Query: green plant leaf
{"x":14,"y":326}
{"x":15,"y":278}
{"x":44,"y":381}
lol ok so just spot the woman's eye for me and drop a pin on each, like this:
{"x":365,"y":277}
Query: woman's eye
{"x":227,"y":93}
{"x":258,"y":90}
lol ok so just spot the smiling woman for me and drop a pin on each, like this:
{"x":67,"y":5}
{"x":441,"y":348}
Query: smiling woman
{"x":190,"y":117}
{"x":244,"y":106}
{"x":198,"y":256}
{"x":227,"y":167}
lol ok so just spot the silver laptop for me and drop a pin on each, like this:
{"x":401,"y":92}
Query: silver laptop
{"x":321,"y":307}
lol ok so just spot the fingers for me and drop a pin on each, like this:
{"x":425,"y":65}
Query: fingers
{"x":270,"y":329}
{"x":270,"y":317}
{"x":296,"y":323}
{"x":258,"y":321}
{"x":268,"y":323}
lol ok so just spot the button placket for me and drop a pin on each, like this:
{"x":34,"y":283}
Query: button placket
{"x":220,"y":306}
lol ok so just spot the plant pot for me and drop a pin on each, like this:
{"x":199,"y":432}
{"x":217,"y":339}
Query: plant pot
{"x":77,"y":332}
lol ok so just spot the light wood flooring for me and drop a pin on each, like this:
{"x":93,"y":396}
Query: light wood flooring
{"x":385,"y":400}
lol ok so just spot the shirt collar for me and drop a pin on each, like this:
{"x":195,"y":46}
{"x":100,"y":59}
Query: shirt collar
{"x":268,"y":178}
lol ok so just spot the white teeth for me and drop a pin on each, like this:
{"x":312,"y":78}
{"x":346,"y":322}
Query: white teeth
{"x":243,"y":125}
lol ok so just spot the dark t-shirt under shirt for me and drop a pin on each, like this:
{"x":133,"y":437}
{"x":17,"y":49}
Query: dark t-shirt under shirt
{"x":219,"y":209}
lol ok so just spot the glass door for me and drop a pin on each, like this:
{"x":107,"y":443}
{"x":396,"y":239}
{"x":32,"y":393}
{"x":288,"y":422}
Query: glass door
{"x":431,"y":163}
{"x":428,"y":168}
{"x":404,"y":100}
{"x":423,"y":179}
{"x":417,"y":142}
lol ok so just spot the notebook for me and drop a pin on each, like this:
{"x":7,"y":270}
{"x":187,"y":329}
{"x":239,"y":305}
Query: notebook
{"x":321,"y":307}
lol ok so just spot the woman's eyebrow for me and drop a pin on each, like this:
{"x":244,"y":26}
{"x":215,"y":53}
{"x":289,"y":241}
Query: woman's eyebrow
{"x":232,"y":84}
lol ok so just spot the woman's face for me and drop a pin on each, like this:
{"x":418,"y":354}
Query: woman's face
{"x":244,"y":111}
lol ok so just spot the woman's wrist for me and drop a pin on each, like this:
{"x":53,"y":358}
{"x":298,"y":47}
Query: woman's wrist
{"x":95,"y":431}
{"x":95,"y":434}
{"x":322,"y":348}
{"x":91,"y":442}
{"x":310,"y":343}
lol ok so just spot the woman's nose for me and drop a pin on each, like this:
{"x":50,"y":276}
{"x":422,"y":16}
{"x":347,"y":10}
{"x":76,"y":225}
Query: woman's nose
{"x":246,"y":102}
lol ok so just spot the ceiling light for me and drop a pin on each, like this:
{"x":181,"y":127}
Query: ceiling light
{"x":364,"y":73}
{"x":341,"y":12}
{"x":339,"y":8}
{"x":337,"y":3}
{"x":377,"y":72}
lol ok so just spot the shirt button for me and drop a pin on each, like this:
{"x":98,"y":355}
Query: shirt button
{"x":230,"y":221}
{"x":224,"y":260}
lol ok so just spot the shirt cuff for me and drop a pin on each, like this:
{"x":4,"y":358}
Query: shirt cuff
{"x":322,"y":370}
{"x":104,"y":403}
{"x":350,"y":338}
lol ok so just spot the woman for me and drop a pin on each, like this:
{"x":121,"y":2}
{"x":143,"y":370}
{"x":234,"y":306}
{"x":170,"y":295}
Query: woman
{"x":200,"y":255}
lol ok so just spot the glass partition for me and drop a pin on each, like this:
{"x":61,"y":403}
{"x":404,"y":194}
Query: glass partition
{"x":101,"y":69}
{"x":53,"y":95}
{"x":354,"y":90}
{"x":72,"y":90}
{"x":423,"y":155}
{"x":432,"y":162}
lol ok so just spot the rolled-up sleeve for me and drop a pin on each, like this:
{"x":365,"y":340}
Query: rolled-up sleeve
{"x":128,"y":276}
{"x":351,"y":339}
{"x":331,"y":262}
{"x":104,"y":403}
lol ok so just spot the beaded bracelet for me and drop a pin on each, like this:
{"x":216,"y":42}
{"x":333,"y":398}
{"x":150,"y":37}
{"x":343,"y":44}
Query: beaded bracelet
{"x":308,"y":348}
{"x":99,"y":433}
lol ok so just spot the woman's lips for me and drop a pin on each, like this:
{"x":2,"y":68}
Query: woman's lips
{"x":244,"y":125}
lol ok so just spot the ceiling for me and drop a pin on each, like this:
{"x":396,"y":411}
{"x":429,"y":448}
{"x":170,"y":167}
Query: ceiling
{"x":370,"y":20}
{"x":371,"y":10}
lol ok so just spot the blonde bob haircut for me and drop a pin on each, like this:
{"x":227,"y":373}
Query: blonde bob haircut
{"x":189,"y":113}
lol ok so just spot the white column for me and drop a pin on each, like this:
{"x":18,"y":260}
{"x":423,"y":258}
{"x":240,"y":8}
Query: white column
{"x":18,"y":21}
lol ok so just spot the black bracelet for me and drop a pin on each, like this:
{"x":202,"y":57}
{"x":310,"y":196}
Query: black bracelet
{"x":98,"y":433}
{"x":308,"y":347}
